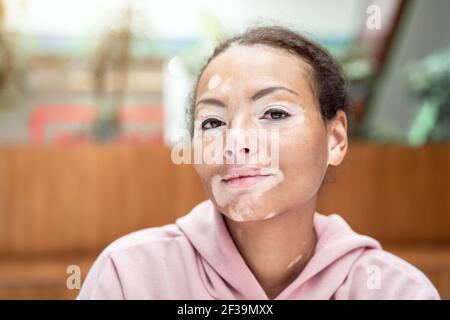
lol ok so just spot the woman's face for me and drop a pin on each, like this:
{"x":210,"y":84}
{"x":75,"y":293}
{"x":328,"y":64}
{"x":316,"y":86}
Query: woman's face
{"x":255,"y":107}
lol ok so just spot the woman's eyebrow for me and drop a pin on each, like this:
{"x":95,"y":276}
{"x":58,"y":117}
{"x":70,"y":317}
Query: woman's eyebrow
{"x":258,"y":95}
{"x":211,"y":101}
{"x":269,"y":90}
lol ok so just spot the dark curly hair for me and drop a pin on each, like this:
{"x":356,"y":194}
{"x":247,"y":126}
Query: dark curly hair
{"x":329,"y":84}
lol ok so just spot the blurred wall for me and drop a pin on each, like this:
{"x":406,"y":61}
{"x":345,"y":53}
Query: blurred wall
{"x":424,"y":29}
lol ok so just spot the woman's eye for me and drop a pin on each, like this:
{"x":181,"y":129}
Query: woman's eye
{"x":212,"y":123}
{"x":275,"y":114}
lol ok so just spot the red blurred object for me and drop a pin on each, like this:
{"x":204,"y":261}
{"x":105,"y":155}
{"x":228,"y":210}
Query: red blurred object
{"x":138,"y":124}
{"x":63,"y":117}
{"x":141,"y":114}
{"x":147,"y":117}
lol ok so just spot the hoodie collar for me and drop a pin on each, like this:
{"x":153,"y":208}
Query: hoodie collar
{"x":206,"y":230}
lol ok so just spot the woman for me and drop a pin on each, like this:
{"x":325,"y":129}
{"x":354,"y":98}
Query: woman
{"x":259,"y":235}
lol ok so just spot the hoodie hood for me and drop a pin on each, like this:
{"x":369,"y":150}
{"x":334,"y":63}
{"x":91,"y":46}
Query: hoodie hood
{"x":338,"y":247}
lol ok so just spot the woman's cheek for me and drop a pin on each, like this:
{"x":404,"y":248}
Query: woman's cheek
{"x":303,"y":156}
{"x":205,"y":171}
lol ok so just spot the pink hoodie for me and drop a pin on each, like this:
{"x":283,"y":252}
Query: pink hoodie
{"x":196,"y":258}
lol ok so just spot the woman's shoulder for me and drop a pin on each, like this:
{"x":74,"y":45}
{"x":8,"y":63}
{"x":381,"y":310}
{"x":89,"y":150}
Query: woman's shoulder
{"x":368,"y":270}
{"x":131,"y":255}
{"x":379,"y":274}
{"x":142,"y":237}
{"x":148,"y":245}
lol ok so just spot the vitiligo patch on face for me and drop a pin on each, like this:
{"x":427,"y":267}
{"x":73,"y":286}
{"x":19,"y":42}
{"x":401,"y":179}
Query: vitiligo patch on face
{"x":226,"y":86}
{"x":296,"y":118}
{"x":270,"y":215}
{"x":240,"y":205}
{"x":242,"y":212}
{"x":214,"y":81}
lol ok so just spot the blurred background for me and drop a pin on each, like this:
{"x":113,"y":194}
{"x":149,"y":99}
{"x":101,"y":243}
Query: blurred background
{"x":92,"y":94}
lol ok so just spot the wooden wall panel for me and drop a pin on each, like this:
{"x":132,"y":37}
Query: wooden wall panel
{"x":79,"y":199}
{"x":394,"y":193}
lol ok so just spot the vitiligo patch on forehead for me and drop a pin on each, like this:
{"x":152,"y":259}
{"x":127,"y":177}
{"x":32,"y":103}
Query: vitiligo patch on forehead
{"x":214,"y":81}
{"x":226,"y":86}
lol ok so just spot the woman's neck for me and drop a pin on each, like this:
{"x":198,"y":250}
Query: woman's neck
{"x":276,"y":249}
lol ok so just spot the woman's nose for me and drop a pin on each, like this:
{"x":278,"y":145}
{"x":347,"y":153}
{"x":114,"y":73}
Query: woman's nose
{"x":229,"y":153}
{"x":238,"y":147}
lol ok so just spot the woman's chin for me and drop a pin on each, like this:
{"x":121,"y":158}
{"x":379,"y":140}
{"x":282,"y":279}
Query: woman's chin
{"x":249,"y":213}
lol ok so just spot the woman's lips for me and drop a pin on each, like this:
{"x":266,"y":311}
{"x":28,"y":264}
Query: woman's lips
{"x":244,"y":177}
{"x":243,"y":182}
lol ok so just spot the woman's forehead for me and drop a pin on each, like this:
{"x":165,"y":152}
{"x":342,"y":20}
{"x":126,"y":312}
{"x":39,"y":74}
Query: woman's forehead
{"x":254,"y":66}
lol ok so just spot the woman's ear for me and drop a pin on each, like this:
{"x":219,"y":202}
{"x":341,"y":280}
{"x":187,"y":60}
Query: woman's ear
{"x":337,"y":138}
